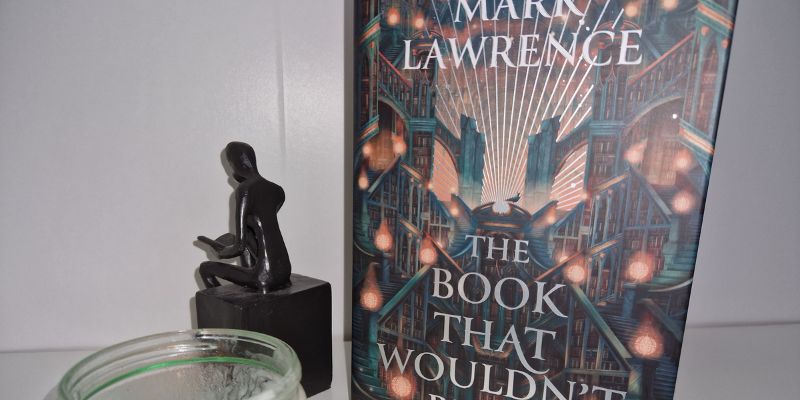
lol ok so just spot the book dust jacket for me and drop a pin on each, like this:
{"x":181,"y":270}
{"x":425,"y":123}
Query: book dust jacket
{"x":529,"y":184}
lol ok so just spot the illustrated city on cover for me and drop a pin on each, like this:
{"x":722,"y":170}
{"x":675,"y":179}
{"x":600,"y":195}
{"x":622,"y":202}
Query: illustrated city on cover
{"x":529,"y":184}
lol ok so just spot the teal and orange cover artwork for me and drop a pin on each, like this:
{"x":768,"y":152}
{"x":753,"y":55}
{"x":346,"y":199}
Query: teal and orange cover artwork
{"x":529,"y":179}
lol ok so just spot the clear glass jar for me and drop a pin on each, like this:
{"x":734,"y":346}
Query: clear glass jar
{"x":207,"y":364}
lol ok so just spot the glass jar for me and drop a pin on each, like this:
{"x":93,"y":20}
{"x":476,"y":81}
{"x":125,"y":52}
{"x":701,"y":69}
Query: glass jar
{"x":207,"y":364}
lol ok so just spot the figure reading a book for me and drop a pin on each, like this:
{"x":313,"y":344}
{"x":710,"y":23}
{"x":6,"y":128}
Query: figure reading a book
{"x":257,"y":241}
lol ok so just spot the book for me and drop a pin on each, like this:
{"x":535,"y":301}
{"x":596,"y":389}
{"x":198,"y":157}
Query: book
{"x":529,"y":185}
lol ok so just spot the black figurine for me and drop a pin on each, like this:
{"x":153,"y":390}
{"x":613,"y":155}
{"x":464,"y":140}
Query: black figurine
{"x":266,"y":297}
{"x":258,"y":241}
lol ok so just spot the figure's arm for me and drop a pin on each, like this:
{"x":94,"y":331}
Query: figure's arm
{"x":219,"y":243}
{"x":211,"y":242}
{"x":237,"y":248}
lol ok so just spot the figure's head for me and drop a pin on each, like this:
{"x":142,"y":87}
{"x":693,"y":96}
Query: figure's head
{"x":242,"y":160}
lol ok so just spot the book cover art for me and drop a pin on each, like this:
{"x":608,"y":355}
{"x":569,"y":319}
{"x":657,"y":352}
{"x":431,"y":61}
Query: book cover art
{"x":529,"y":184}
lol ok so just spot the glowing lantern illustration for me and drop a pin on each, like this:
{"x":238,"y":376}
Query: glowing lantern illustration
{"x":638,"y":271}
{"x":363,"y":180}
{"x":371,"y":299}
{"x":645,"y":345}
{"x":454,"y":211}
{"x":371,"y":296}
{"x":401,"y":387}
{"x":550,"y":219}
{"x":683,"y":202}
{"x":419,"y":22}
{"x":635,"y":153}
{"x":575,"y":273}
{"x":392,"y":16}
{"x":427,"y":252}
{"x":669,"y":5}
{"x":632,"y":9}
{"x":383,"y":238}
{"x":647,"y":342}
{"x":683,"y":160}
{"x":399,"y":145}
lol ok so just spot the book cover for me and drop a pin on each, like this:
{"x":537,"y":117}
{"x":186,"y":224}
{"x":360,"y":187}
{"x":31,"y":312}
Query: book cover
{"x":529,"y":184}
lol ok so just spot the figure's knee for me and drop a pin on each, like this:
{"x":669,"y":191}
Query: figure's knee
{"x":208,"y":267}
{"x":209,"y":271}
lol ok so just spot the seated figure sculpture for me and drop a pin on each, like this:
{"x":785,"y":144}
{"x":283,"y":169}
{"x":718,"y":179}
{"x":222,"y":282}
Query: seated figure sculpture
{"x":257,"y":241}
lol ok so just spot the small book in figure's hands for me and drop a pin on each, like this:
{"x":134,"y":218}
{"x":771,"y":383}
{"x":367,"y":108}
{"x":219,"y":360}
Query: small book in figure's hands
{"x":220,"y":243}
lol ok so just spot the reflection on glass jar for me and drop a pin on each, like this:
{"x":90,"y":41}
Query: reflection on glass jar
{"x":207,"y":364}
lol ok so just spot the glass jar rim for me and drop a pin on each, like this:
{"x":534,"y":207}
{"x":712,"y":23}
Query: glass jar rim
{"x":142,"y":354}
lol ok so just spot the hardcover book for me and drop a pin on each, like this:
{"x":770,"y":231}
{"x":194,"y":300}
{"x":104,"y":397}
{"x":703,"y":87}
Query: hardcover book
{"x":529,"y":185}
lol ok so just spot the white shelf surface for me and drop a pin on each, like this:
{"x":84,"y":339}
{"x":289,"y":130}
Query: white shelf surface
{"x":718,"y":363}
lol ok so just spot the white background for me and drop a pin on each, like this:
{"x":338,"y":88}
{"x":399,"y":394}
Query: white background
{"x":113,"y":115}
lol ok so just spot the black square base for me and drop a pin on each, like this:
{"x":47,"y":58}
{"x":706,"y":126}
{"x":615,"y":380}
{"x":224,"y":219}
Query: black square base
{"x":299,"y":315}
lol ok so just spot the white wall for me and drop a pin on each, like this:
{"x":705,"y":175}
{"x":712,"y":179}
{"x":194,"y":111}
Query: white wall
{"x":113,"y":116}
{"x":748,"y":265}
{"x":112,"y":119}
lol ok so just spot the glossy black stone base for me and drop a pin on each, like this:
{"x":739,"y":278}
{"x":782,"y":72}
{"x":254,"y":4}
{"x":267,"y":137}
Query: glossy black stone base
{"x":299,"y":315}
